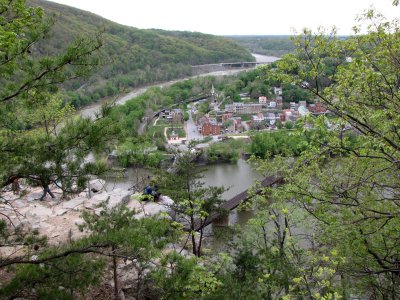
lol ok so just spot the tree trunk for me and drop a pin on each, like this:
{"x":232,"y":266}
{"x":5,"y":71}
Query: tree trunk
{"x":200,"y":241}
{"x":116,"y":288}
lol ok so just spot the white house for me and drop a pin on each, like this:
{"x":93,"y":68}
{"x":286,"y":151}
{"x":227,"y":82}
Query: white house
{"x":278,"y":91}
{"x":262,"y":100}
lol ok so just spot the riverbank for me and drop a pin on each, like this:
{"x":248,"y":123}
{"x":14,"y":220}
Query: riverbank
{"x":91,"y":110}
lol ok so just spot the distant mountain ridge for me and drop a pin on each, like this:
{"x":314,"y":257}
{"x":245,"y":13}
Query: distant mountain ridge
{"x":275,"y":45}
{"x":137,"y":56}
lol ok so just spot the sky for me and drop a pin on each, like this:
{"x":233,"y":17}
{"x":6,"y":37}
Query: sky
{"x":234,"y":17}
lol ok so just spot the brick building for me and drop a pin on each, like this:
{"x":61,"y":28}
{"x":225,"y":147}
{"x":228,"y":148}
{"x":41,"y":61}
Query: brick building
{"x":318,"y":108}
{"x":208,"y":128}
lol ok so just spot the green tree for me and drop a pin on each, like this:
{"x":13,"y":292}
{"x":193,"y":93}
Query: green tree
{"x":288,"y":125}
{"x":293,"y":93}
{"x":185,"y":278}
{"x":193,"y":202}
{"x":55,"y":278}
{"x":128,"y":238}
{"x":34,"y":143}
{"x":351,"y":187}
{"x":40,"y":139}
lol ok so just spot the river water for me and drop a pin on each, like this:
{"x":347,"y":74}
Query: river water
{"x":235,"y":178}
{"x":91,"y":110}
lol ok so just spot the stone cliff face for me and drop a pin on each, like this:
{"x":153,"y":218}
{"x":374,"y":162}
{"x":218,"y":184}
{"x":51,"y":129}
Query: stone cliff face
{"x":58,"y":219}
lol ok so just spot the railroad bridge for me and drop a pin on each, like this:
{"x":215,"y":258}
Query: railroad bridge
{"x":201,"y":69}
{"x":246,"y":64}
{"x":236,"y":200}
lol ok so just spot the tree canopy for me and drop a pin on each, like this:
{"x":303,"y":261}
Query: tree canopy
{"x":40,"y":139}
{"x":131,"y":57}
{"x":349,"y":187}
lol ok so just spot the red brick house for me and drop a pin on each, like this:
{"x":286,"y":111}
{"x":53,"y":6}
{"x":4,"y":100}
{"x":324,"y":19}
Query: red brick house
{"x":226,"y":116}
{"x":318,"y":108}
{"x":210,"y":129}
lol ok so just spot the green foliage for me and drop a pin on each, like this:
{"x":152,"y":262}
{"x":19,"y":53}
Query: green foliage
{"x":178,"y":130}
{"x":292,"y":93}
{"x":57,"y":149}
{"x":130,"y":114}
{"x":64,"y":278}
{"x":288,"y":125}
{"x":348,"y":183}
{"x":186,"y":116}
{"x":232,"y":91}
{"x":132,"y":57}
{"x":193,"y":202}
{"x":132,"y":238}
{"x":138,"y":240}
{"x":204,"y":107}
{"x":184,"y":278}
{"x":41,"y":140}
{"x":283,"y":143}
{"x":267,"y":45}
{"x":227,"y":151}
{"x":138,"y":152}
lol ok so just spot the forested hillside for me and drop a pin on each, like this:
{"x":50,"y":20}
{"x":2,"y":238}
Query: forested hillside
{"x":275,"y":45}
{"x":131,"y":56}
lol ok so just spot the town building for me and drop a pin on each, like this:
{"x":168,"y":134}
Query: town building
{"x":289,"y":115}
{"x":279,"y":101}
{"x":243,"y":108}
{"x":271,"y":118}
{"x":259,"y":118}
{"x":210,"y":129}
{"x":278,"y":91}
{"x":262,"y":100}
{"x":208,"y":126}
{"x":235,"y":124}
{"x":303,"y":103}
{"x":174,"y":136}
{"x":213,"y":94}
{"x":293,"y":105}
{"x":318,"y":108}
{"x":174,"y":116}
{"x":226,"y":116}
{"x":270,"y":103}
{"x":303,"y":111}
{"x":177,"y":116}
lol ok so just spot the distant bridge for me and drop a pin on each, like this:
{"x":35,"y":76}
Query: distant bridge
{"x":235,"y":201}
{"x":245,"y":64}
{"x":200,"y":69}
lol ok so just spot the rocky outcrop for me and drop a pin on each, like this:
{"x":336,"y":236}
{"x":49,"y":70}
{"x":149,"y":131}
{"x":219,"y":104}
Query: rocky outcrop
{"x":58,"y":219}
{"x":150,"y":208}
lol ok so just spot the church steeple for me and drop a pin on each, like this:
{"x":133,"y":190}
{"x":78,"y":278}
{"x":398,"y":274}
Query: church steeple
{"x":213,"y":94}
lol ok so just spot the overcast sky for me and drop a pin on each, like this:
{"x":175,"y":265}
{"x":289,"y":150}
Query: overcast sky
{"x":223,"y":17}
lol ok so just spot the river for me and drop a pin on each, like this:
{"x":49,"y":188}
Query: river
{"x":234,"y":177}
{"x":91,"y":110}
